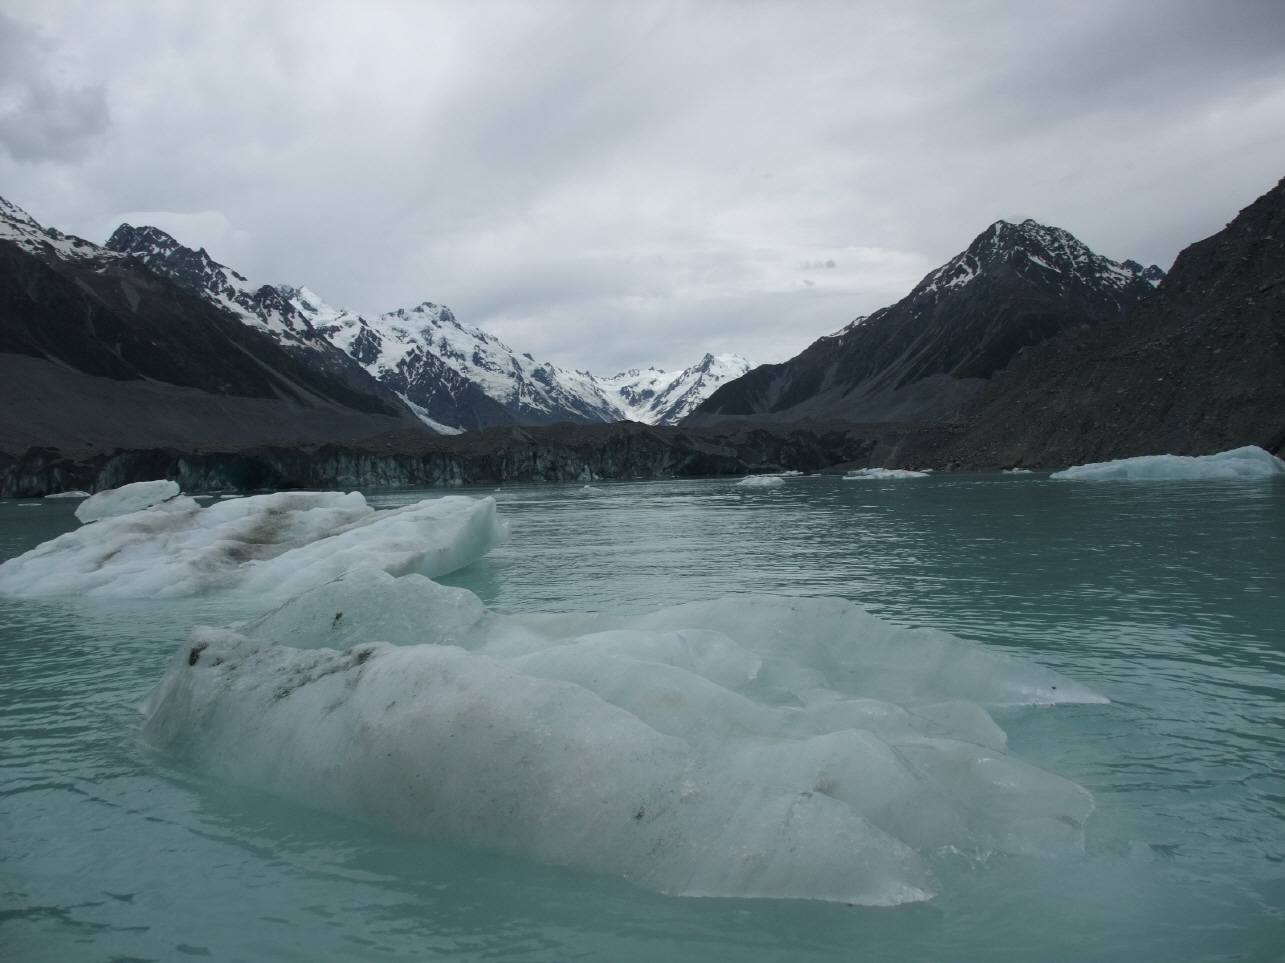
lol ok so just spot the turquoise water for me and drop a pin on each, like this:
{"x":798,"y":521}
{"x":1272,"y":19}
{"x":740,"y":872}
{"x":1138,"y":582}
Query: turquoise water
{"x":1167,"y":597}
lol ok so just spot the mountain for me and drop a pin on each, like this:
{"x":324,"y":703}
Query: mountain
{"x":97,"y":350}
{"x":1196,"y":369}
{"x":1015,"y":286}
{"x":656,"y":397}
{"x":453,"y":375}
{"x":425,"y":353}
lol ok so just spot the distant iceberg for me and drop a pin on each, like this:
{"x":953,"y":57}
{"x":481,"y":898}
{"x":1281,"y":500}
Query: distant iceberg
{"x":126,"y":500}
{"x":880,"y":474}
{"x":754,"y":747}
{"x":280,"y":544}
{"x":1247,"y":462}
{"x":760,"y":481}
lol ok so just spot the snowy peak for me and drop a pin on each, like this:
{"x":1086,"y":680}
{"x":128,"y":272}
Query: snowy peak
{"x":1049,"y":256}
{"x":21,"y":228}
{"x":1015,"y":286}
{"x":452,"y":374}
{"x":260,"y":306}
{"x":657,"y":397}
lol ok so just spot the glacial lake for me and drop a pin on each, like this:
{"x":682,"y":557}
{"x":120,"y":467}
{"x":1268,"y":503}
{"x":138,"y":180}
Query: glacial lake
{"x":1166,"y":597}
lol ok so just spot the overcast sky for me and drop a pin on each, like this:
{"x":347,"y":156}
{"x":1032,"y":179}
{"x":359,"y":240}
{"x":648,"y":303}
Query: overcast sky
{"x":608,"y":185}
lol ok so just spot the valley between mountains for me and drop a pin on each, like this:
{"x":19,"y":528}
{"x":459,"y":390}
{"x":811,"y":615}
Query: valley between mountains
{"x":142,"y":358}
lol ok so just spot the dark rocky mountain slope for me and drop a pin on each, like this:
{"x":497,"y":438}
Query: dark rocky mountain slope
{"x":1017,"y":285}
{"x":96,"y":350}
{"x":1198,"y":368}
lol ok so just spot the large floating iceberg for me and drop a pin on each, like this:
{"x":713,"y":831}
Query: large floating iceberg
{"x":1247,"y":462}
{"x":761,"y":746}
{"x":280,"y":544}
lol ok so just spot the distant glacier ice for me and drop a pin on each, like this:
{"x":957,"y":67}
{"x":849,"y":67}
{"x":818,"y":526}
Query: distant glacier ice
{"x":753,"y":747}
{"x":1247,"y":462}
{"x":882,"y":474}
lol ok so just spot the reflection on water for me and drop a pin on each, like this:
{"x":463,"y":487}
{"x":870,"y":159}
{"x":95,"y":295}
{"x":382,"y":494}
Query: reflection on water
{"x":1167,"y":597}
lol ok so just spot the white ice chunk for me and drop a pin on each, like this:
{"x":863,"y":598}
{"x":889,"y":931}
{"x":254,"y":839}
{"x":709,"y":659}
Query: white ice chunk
{"x":434,"y":741}
{"x":126,"y":499}
{"x":858,"y":654}
{"x":280,"y":544}
{"x":72,"y":494}
{"x":880,"y":474}
{"x":760,"y":481}
{"x":743,"y":730}
{"x":1247,"y":462}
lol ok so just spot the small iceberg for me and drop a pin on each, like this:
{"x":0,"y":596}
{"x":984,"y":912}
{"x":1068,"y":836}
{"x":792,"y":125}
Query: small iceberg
{"x":72,"y":494}
{"x":1247,"y":462}
{"x":1018,"y":471}
{"x":282,"y":543}
{"x":878,"y":474}
{"x":126,"y":500}
{"x":760,"y":481}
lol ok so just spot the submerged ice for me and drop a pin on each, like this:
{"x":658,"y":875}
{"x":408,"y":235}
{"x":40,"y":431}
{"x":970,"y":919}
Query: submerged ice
{"x":761,"y":746}
{"x":146,"y":540}
{"x":1247,"y":462}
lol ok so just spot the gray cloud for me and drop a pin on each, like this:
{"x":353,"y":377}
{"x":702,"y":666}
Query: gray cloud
{"x":610,"y":185}
{"x":42,"y":118}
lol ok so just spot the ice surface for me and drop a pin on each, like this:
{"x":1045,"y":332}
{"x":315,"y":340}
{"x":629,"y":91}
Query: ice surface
{"x":759,"y":746}
{"x":71,"y":494}
{"x":760,"y":481}
{"x":127,"y":499}
{"x":882,"y":473}
{"x":1247,"y":462}
{"x":1018,"y":471}
{"x":280,"y":544}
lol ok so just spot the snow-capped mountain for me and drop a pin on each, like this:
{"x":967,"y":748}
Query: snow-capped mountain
{"x":658,"y":397}
{"x":453,"y":375}
{"x":19,"y":227}
{"x":99,"y":350}
{"x":260,"y":306}
{"x":409,"y":349}
{"x":1015,"y":286}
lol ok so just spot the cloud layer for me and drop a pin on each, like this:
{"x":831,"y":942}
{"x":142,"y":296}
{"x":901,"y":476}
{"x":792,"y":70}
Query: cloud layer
{"x":609,"y":185}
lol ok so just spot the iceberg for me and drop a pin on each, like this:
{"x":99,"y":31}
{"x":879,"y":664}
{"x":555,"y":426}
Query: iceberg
{"x":760,"y":481}
{"x":126,"y":500}
{"x":880,"y":474}
{"x":280,"y":544}
{"x":753,"y":747}
{"x":1247,"y":462}
{"x":71,"y":494}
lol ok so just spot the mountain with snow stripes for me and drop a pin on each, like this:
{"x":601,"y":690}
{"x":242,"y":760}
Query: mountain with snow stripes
{"x":455,"y":376}
{"x":1015,"y":286}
